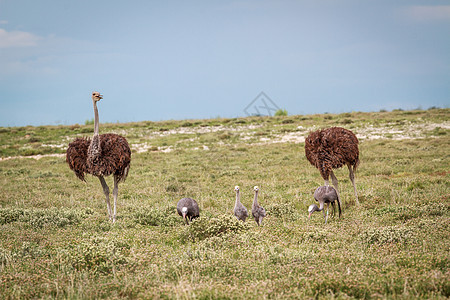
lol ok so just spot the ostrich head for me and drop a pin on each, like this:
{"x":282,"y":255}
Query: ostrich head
{"x":256,"y":188}
{"x":184,"y":211}
{"x":96,"y":96}
{"x":312,"y":208}
{"x":236,"y":188}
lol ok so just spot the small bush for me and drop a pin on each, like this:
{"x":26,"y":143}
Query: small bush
{"x":87,"y":130}
{"x":283,"y":210}
{"x":281,"y":112}
{"x":9,"y":215}
{"x":74,"y":126}
{"x":387,"y":235}
{"x":98,"y":255}
{"x":346,"y":121}
{"x":157,"y":217}
{"x":43,"y":217}
{"x":203,"y":227}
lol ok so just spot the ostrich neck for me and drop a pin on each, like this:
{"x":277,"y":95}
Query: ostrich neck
{"x":95,"y":119}
{"x":321,"y":206}
{"x":255,"y":201}
{"x":94,"y":149}
{"x":238,"y":199}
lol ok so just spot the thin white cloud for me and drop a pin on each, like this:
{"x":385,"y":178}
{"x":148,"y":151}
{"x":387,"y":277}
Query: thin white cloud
{"x":429,"y":13}
{"x":11,"y":39}
{"x":3,"y":22}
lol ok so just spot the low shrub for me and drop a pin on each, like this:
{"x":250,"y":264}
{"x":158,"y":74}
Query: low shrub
{"x":281,"y":112}
{"x":9,"y":215}
{"x":203,"y":227}
{"x":38,"y":218}
{"x":283,"y":210}
{"x":97,"y":254}
{"x":387,"y":235}
{"x":157,"y":217}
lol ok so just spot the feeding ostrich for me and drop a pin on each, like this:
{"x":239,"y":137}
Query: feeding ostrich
{"x":103,"y":155}
{"x":239,"y":210}
{"x":258,"y":211}
{"x":331,"y":148}
{"x":325,"y":195}
{"x":188,"y":209}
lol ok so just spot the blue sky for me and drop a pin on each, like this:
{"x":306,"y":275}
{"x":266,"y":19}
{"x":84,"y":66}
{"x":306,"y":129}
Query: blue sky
{"x":158,"y":60}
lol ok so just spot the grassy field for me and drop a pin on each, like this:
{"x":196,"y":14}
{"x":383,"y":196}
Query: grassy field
{"x":57,"y":242}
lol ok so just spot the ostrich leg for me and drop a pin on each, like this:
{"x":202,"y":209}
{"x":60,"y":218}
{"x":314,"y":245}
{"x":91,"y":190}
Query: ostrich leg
{"x":335,"y":183}
{"x":352,"y":178}
{"x":115,"y":193}
{"x":326,"y":215}
{"x":106,"y":192}
{"x":339,"y":206}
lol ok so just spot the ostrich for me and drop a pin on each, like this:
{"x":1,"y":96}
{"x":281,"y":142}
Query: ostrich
{"x":325,"y":195}
{"x":102,"y":156}
{"x":188,"y":209}
{"x":258,"y":211}
{"x":331,"y":148}
{"x":239,"y":210}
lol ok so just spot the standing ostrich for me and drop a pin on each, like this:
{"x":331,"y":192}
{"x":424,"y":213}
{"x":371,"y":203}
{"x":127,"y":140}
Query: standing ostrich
{"x":239,"y":210}
{"x":258,"y":211}
{"x":331,"y":148}
{"x":325,"y":195}
{"x":104,"y":155}
{"x":188,"y":209}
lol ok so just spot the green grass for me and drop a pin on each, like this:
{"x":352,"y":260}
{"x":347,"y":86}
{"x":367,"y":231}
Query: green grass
{"x":57,"y":242}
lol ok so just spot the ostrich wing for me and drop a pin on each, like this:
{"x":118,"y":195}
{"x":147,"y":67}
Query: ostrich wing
{"x":115,"y":157}
{"x":76,"y":155}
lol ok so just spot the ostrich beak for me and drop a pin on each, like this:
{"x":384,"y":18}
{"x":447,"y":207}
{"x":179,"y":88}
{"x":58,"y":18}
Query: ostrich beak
{"x":309,"y":216}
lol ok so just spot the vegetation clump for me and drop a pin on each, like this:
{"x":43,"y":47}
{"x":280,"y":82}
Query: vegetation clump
{"x":99,"y":255}
{"x":281,"y":112}
{"x":9,"y":215}
{"x":283,"y":210}
{"x":203,"y":227}
{"x":38,"y":218}
{"x":387,"y":235}
{"x":156,"y":217}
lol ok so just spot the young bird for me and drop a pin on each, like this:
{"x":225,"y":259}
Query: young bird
{"x":188,"y":209}
{"x":324,"y":195}
{"x":239,"y":210}
{"x":258,"y":211}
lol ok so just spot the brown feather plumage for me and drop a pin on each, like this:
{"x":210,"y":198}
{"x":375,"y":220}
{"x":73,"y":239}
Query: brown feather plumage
{"x":332,"y":148}
{"x":114,"y":159}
